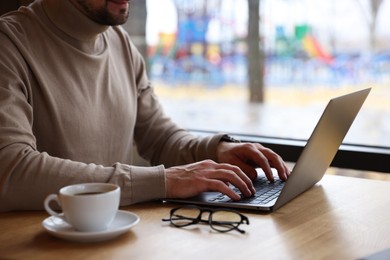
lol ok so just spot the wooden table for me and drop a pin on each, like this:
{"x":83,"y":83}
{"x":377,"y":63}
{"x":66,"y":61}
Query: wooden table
{"x":340,"y":218}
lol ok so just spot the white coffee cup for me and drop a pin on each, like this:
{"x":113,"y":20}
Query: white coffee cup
{"x":88,"y":207}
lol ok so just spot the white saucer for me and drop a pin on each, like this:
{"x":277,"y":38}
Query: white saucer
{"x":122,"y":222}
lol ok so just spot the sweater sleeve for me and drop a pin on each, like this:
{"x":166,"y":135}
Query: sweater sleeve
{"x":159,"y":140}
{"x":28,"y":175}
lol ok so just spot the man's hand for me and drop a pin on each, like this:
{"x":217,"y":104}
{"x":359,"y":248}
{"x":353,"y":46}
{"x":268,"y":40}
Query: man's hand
{"x":190,"y":180}
{"x":249,"y":156}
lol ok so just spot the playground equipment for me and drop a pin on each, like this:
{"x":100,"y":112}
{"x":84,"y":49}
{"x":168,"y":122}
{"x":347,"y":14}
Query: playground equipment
{"x":303,"y":40}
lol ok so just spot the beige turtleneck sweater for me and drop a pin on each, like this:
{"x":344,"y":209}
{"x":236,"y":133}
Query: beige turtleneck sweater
{"x":74,"y":100}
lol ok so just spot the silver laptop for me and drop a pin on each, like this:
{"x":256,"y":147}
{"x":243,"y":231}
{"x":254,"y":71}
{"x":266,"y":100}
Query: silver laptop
{"x":311,"y":166}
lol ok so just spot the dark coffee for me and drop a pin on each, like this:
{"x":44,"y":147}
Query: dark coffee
{"x":89,"y":193}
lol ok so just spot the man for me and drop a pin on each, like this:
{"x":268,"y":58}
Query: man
{"x":75,"y":98}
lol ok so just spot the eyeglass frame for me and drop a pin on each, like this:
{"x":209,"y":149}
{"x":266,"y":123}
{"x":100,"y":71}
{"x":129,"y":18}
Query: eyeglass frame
{"x":233,"y":224}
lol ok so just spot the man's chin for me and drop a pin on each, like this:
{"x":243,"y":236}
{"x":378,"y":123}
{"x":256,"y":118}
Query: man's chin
{"x":118,"y":6}
{"x":118,"y":10}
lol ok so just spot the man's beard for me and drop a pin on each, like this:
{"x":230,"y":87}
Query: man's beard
{"x":103,"y":16}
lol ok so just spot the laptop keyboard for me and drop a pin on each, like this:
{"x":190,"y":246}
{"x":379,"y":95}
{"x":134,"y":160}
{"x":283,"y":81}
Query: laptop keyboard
{"x":266,"y":191}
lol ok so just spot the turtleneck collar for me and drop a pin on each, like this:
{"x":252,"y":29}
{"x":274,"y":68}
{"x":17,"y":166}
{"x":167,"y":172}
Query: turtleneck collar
{"x":72,"y":21}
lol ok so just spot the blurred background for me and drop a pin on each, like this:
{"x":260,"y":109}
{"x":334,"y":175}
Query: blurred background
{"x":268,"y":67}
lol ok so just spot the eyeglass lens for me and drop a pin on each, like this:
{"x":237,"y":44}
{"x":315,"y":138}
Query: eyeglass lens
{"x":185,"y":216}
{"x":225,"y":220}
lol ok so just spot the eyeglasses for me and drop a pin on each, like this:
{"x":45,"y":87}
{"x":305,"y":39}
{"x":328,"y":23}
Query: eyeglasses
{"x":221,"y":220}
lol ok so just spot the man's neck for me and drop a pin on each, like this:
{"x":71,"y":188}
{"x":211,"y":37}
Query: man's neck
{"x":72,"y":21}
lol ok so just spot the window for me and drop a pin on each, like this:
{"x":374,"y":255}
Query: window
{"x":211,"y":74}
